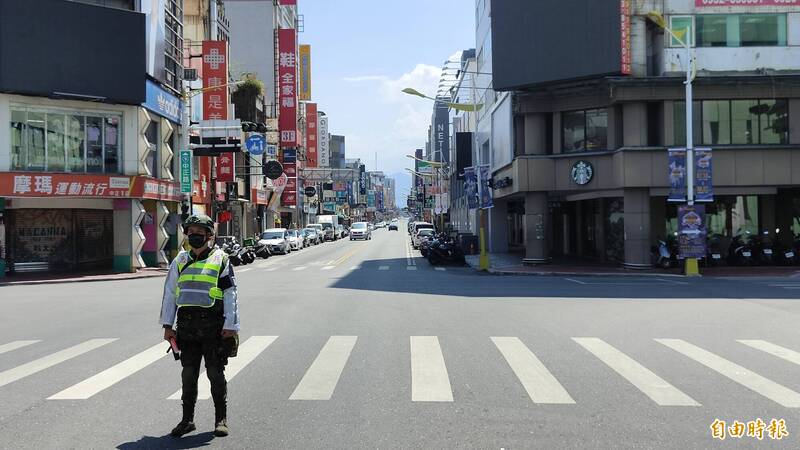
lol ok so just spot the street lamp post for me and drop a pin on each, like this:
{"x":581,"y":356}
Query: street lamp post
{"x":692,"y":267}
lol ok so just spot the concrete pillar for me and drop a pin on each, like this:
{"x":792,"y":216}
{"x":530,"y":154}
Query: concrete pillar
{"x":794,"y":121}
{"x":580,"y":225}
{"x":128,"y":236}
{"x":535,"y":134}
{"x":600,"y":224}
{"x":498,"y":227}
{"x":162,"y":237}
{"x":658,"y":219}
{"x":638,"y":46}
{"x":637,"y":228}
{"x":557,"y":133}
{"x":634,"y":129}
{"x":783,"y":217}
{"x":537,"y":218}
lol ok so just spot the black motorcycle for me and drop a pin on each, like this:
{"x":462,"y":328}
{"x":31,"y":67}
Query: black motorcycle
{"x":740,"y":252}
{"x":762,"y":247}
{"x":445,"y":249}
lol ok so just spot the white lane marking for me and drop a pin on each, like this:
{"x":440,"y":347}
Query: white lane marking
{"x":248,"y":351}
{"x":48,"y":361}
{"x":5,"y":348}
{"x":411,"y":267}
{"x":575,"y":281}
{"x":429,"y":380}
{"x":383,"y":268}
{"x":271,"y":269}
{"x":751,"y":380}
{"x":244,"y":270}
{"x":300,"y":268}
{"x":772,"y":349}
{"x":440,"y":269}
{"x":644,"y":379}
{"x":328,"y":267}
{"x":112,"y":375}
{"x":541,"y":385}
{"x":321,"y":378}
{"x":355,"y":267}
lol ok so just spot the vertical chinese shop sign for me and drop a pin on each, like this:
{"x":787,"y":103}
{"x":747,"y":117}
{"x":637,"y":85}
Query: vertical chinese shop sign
{"x":311,"y":135}
{"x":287,"y":81}
{"x":215,"y":73}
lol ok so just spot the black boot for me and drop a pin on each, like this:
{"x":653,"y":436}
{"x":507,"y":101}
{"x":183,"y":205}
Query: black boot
{"x":186,"y":425}
{"x":220,"y":418}
{"x":221,"y":428}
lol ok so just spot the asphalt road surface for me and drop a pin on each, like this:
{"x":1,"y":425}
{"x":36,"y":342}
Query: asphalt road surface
{"x":365,"y":345}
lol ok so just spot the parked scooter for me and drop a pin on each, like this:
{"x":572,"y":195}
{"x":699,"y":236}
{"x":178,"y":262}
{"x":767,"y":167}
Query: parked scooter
{"x":740,"y":252}
{"x":762,"y":247}
{"x":785,"y":255}
{"x":663,"y":254}
{"x":444,"y":249}
{"x":714,"y":255}
{"x":232,"y":248}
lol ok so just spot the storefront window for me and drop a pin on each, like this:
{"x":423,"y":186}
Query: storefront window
{"x":59,"y":142}
{"x":726,"y":217}
{"x":712,"y":30}
{"x":716,"y":118}
{"x":679,"y":122}
{"x":614,"y":228}
{"x":683,"y":27}
{"x":759,"y":30}
{"x":585,"y":130}
{"x":56,"y":158}
{"x":774,"y":123}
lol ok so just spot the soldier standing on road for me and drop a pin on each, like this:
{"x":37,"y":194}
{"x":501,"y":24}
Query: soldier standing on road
{"x":201,"y":291}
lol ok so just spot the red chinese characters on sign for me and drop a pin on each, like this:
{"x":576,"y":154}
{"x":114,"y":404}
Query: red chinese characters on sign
{"x":625,"y":36}
{"x":311,"y":135}
{"x":290,"y":169}
{"x":225,"y":168}
{"x":712,"y":3}
{"x":287,"y":2}
{"x":215,"y":73}
{"x":287,"y":85}
{"x":291,"y":184}
{"x":86,"y":186}
{"x":259,"y":196}
{"x":289,"y":198}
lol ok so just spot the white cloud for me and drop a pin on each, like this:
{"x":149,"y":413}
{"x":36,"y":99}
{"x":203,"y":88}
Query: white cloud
{"x":361,"y":78}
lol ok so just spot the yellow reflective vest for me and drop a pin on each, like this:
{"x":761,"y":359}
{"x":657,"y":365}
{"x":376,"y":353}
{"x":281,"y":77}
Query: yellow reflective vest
{"x":198,"y":280}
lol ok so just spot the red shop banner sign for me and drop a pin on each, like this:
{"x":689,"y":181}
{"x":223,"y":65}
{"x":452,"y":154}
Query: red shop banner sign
{"x":289,"y":198}
{"x":215,"y":73}
{"x":290,"y":169}
{"x":744,"y":3}
{"x":259,"y":196}
{"x":225,"y":168}
{"x":287,"y":86}
{"x":311,"y":135}
{"x":291,"y":184}
{"x":626,"y":58}
{"x":66,"y":185}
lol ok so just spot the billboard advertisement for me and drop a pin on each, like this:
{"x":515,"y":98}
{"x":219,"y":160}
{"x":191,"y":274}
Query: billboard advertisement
{"x":215,"y":73}
{"x":323,"y":142}
{"x":304,"y":72}
{"x":691,"y":231}
{"x":441,"y":132}
{"x":287,"y":81}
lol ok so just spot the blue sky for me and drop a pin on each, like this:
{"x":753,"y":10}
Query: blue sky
{"x":364,"y":52}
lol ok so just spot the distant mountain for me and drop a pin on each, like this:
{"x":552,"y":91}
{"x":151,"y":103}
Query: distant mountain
{"x":402,"y":187}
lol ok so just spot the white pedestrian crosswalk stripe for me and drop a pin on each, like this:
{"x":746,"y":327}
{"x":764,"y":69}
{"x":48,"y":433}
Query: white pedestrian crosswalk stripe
{"x":328,"y":268}
{"x":383,"y":268}
{"x":5,"y":348}
{"x":440,"y":269}
{"x":321,"y":378}
{"x":30,"y":368}
{"x":751,"y":380}
{"x":429,"y":379}
{"x":411,"y":267}
{"x":541,"y":385}
{"x":649,"y":383}
{"x":112,"y":375}
{"x":300,"y":268}
{"x":772,"y":349}
{"x":248,"y":351}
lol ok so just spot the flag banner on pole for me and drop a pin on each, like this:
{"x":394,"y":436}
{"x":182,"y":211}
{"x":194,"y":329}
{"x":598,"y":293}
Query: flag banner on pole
{"x":471,"y":187}
{"x":703,"y":186}
{"x":692,"y":231}
{"x":677,"y":174}
{"x":485,"y":191}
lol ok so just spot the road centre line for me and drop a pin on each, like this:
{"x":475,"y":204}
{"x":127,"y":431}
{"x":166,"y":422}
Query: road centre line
{"x":575,"y":281}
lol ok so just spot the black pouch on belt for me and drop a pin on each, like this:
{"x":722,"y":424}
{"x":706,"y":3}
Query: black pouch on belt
{"x":231,"y":345}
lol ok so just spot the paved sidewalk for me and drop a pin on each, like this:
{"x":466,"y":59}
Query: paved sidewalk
{"x":55,"y":278}
{"x":511,"y":264}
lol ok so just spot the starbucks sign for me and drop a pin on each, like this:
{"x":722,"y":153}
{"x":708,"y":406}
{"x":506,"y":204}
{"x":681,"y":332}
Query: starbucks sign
{"x":582,"y":173}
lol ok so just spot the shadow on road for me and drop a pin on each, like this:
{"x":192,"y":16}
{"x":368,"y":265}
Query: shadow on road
{"x":169,"y":442}
{"x":392,"y":275}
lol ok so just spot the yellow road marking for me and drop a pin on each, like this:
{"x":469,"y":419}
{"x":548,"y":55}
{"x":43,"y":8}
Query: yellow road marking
{"x":346,"y":256}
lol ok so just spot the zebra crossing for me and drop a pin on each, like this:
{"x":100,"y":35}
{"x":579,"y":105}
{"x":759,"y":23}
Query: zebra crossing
{"x":430,"y":378}
{"x":323,"y":266}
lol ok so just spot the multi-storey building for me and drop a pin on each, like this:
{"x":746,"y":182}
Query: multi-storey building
{"x":86,"y":160}
{"x":582,"y":169}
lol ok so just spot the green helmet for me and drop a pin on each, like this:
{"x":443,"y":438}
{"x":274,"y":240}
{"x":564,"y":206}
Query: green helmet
{"x":200,"y":220}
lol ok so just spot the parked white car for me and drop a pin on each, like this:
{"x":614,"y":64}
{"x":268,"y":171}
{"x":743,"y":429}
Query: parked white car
{"x":295,"y":239}
{"x":277,"y":240}
{"x":423,"y":233}
{"x":360,"y":230}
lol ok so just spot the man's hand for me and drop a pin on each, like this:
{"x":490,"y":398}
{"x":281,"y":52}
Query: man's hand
{"x":228,"y":333}
{"x":168,"y":333}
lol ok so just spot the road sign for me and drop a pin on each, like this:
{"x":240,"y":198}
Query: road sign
{"x":186,"y":171}
{"x":256,"y":144}
{"x":310,"y":191}
{"x":272,"y":151}
{"x":273,"y":170}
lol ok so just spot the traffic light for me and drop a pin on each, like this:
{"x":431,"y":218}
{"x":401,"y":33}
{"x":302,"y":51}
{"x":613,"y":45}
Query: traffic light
{"x":249,"y":127}
{"x":261,"y":127}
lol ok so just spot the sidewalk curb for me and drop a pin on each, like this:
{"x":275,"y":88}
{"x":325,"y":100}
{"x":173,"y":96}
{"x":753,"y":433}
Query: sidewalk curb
{"x":558,"y":273}
{"x":79,"y":280}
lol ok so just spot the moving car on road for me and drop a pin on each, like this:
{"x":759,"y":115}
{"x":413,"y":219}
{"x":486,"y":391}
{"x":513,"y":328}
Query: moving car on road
{"x":276,"y":240}
{"x":360,"y":230}
{"x":393,"y":227}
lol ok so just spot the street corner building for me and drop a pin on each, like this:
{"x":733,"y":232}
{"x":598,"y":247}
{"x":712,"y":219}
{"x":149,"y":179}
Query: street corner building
{"x":588,"y":99}
{"x":92,"y":113}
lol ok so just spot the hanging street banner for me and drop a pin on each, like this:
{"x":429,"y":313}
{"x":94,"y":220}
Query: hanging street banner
{"x":424,"y":167}
{"x":186,"y":171}
{"x":471,"y":187}
{"x":215,"y":73}
{"x":311,"y":135}
{"x":287,"y":82}
{"x":225,"y":168}
{"x":692,"y":231}
{"x":484,"y":190}
{"x":323,"y":139}
{"x":676,"y":158}
{"x":744,"y":3}
{"x":304,"y":72}
{"x":703,"y":186}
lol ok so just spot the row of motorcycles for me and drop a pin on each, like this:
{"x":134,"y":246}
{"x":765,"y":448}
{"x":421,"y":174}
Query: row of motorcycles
{"x":442,"y":248}
{"x":743,"y":249}
{"x":244,"y":253}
